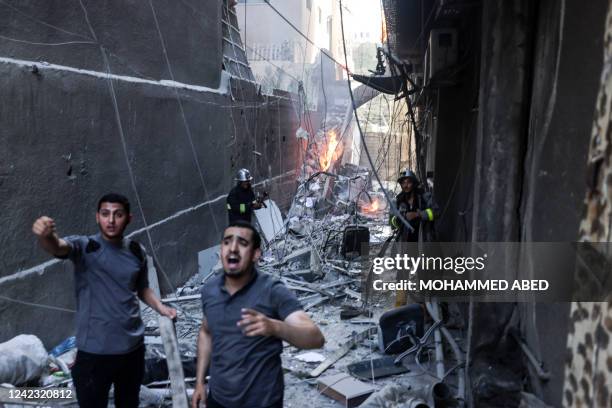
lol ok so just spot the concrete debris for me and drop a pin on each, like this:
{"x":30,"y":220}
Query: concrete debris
{"x":156,"y":365}
{"x":270,"y":220}
{"x":207,"y":260}
{"x":310,"y":357}
{"x":342,"y":351}
{"x":393,"y":396}
{"x":344,"y":388}
{"x":428,"y":392}
{"x":307,"y":257}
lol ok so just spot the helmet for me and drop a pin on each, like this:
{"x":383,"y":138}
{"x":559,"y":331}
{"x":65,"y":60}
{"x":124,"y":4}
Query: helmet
{"x":243,"y":175}
{"x":407,"y":173}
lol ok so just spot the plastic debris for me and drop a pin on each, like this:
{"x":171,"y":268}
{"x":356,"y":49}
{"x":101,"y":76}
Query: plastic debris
{"x":22,"y":359}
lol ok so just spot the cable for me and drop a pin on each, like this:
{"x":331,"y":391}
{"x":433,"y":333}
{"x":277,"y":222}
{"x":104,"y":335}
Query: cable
{"x":365,"y":148}
{"x":344,"y":67}
{"x":39,"y":305}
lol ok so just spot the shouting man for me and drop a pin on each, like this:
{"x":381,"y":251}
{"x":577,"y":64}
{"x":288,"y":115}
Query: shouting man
{"x":246,"y":316}
{"x":110,"y":276}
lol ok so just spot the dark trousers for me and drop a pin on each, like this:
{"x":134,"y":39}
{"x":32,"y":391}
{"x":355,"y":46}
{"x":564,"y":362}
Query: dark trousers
{"x":212,"y":403}
{"x":93,"y":375}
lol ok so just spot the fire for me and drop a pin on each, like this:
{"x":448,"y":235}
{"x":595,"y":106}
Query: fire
{"x":383,"y":34}
{"x":331,"y":152}
{"x":375,"y":204}
{"x":373,"y":207}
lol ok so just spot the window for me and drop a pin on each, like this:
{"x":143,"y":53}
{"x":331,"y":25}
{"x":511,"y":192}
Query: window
{"x":320,"y":15}
{"x":309,"y":4}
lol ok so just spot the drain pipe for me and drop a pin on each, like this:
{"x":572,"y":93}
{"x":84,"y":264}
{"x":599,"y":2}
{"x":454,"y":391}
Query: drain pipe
{"x":433,"y":309}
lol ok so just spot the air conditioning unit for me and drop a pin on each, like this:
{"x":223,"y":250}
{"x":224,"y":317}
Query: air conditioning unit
{"x":441,"y":51}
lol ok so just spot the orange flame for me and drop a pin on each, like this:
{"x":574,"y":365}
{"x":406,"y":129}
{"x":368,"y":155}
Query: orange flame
{"x":373,"y":207}
{"x":331,"y":153}
{"x":383,"y":34}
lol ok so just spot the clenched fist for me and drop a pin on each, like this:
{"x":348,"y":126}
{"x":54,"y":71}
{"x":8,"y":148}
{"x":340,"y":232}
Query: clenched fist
{"x":44,"y":227}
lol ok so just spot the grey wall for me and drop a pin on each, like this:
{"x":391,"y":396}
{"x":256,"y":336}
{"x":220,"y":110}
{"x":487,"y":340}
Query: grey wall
{"x":65,"y":33}
{"x":68,"y":137}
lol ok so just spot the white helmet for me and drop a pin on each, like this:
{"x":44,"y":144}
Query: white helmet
{"x":243,"y":175}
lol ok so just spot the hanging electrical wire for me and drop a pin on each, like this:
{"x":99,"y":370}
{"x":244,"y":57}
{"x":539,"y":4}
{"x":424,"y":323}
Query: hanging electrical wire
{"x":365,"y":148}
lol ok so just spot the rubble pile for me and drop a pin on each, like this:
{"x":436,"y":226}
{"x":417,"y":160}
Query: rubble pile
{"x":375,"y":355}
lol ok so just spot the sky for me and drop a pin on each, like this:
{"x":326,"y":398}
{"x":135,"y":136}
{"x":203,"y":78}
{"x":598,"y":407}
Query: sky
{"x":365,"y":16}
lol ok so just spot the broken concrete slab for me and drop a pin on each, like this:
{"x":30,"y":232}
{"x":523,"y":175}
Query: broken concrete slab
{"x":270,"y":220}
{"x":207,"y":259}
{"x":345,"y":389}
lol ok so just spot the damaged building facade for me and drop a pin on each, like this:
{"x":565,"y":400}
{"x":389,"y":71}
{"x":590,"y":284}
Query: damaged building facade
{"x":513,"y":109}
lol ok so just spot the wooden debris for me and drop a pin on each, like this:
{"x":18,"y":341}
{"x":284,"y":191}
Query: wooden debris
{"x":342,"y":351}
{"x":173,"y":357}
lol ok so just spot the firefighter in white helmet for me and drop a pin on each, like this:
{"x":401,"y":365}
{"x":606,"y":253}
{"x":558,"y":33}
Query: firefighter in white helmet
{"x":416,"y":206}
{"x":419,"y":210}
{"x":241,"y":200}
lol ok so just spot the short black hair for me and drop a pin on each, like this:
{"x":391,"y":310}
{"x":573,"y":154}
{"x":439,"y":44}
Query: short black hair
{"x":247,"y":225}
{"x":115,"y":198}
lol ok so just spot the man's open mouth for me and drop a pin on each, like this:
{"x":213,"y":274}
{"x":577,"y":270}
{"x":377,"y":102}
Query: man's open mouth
{"x":233,"y":260}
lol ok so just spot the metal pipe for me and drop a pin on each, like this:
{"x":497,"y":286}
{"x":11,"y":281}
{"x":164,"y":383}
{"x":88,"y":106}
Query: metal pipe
{"x":458,"y":355}
{"x":432,"y":308}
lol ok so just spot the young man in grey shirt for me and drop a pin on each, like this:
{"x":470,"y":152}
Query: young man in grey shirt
{"x":110,"y":276}
{"x":246,"y":316}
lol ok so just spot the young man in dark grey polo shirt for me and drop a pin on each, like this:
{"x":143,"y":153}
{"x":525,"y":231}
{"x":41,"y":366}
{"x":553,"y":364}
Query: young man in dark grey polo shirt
{"x":110,"y":276}
{"x":246,"y":316}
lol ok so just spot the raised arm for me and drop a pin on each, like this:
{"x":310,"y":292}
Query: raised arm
{"x":204,"y":352}
{"x":44,"y":229}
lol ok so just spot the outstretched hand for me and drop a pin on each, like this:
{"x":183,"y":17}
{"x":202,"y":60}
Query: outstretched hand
{"x":254,"y":323}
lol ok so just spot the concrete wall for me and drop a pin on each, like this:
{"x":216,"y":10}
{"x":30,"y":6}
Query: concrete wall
{"x":129,"y":31}
{"x":69,"y":136}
